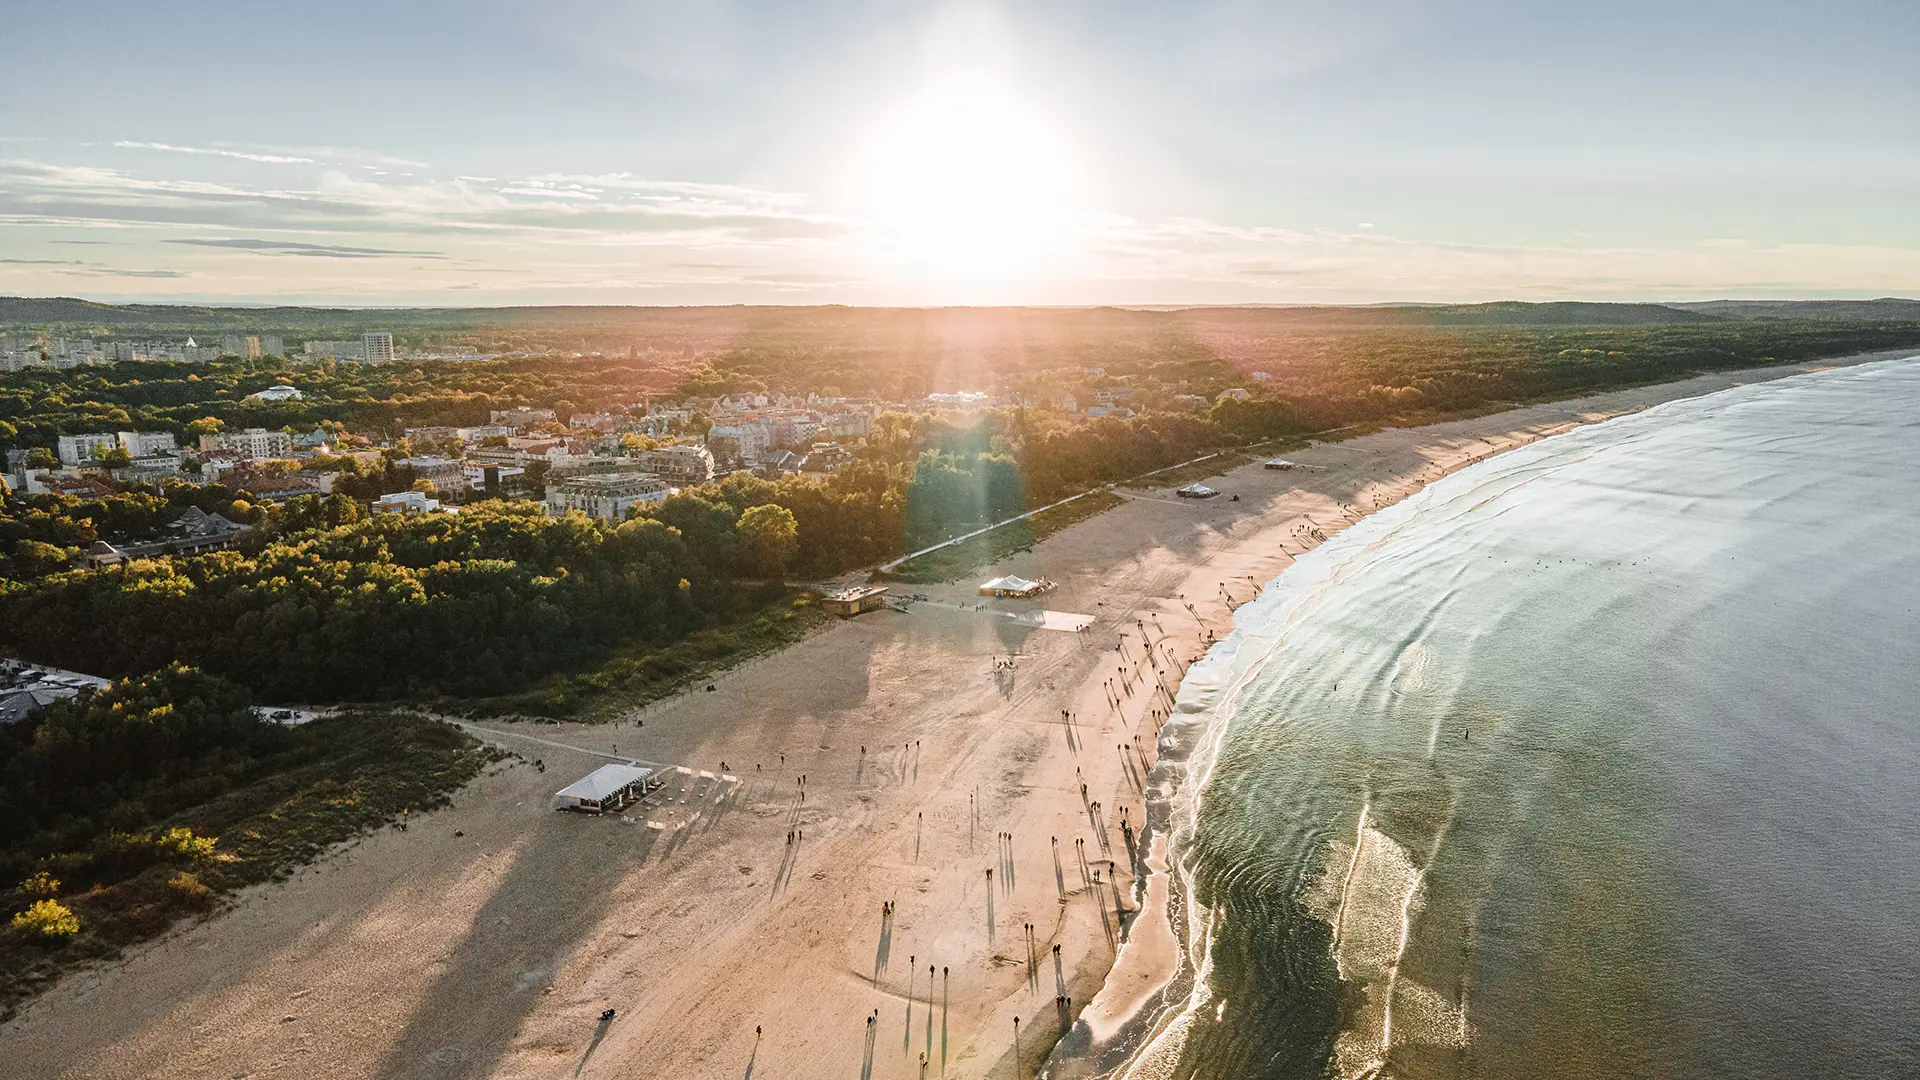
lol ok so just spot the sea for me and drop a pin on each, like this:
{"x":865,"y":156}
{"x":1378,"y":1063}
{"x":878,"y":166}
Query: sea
{"x":1599,"y":758}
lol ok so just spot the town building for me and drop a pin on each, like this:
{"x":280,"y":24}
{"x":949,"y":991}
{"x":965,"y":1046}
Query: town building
{"x":740,"y":444}
{"x":254,"y":444}
{"x":336,"y":350}
{"x":278,"y":392}
{"x":215,"y":464}
{"x":147,"y":444}
{"x":449,"y":477}
{"x":269,"y":485}
{"x":405,"y":503}
{"x":825,"y":458}
{"x":25,"y":689}
{"x":86,"y":449}
{"x":377,"y":347}
{"x":520,"y":417}
{"x":174,"y":352}
{"x":493,"y":481}
{"x":194,"y":532}
{"x":684,"y":464}
{"x":607,"y":496}
{"x":145,"y":470}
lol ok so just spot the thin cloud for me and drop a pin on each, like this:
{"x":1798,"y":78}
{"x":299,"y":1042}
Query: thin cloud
{"x":291,"y":247}
{"x":267,"y":159}
{"x":42,"y":262}
{"x":110,"y":271}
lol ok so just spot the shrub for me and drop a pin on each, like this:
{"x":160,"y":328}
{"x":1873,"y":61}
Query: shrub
{"x":181,"y":841}
{"x":189,"y":890}
{"x":41,"y":884}
{"x":48,"y":920}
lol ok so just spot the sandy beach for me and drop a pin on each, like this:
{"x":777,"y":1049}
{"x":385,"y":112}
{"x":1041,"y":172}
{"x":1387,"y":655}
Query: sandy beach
{"x":890,"y":853}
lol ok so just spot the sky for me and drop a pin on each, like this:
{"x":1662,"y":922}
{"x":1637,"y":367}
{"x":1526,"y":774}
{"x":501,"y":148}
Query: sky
{"x":894,"y":152}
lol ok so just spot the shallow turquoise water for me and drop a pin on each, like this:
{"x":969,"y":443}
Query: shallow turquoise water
{"x":1633,"y":719}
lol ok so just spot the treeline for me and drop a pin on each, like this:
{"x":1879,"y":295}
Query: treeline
{"x":37,"y":406}
{"x":46,"y":534}
{"x":479,"y":603}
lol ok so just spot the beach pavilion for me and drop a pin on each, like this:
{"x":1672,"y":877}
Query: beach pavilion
{"x":609,"y":787}
{"x":1015,"y":586}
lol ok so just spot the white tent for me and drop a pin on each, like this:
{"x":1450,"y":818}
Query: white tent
{"x":605,"y":788}
{"x":1013,"y":585}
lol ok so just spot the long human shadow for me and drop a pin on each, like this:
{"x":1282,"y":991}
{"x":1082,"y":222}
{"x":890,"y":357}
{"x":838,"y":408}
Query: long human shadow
{"x":866,"y":1057}
{"x":599,"y":1033}
{"x":558,"y":889}
{"x":881,"y":953}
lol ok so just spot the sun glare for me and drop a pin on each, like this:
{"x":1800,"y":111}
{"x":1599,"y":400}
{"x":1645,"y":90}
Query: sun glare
{"x":966,"y":185}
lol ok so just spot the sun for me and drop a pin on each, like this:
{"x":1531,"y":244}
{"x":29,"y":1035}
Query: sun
{"x":967,"y":185}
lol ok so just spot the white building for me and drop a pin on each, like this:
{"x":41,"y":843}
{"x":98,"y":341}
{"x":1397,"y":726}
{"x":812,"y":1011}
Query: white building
{"x":608,"y":496}
{"x":405,"y":503}
{"x":278,"y":392}
{"x":745,"y":442}
{"x":86,"y":449}
{"x":147,"y":444}
{"x":683,"y":464}
{"x":377,"y":347}
{"x":254,"y":444}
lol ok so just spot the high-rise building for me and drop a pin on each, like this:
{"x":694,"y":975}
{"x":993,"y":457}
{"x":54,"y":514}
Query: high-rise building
{"x":252,"y":345}
{"x":273,"y":345}
{"x":378,"y":346}
{"x":233,"y":346}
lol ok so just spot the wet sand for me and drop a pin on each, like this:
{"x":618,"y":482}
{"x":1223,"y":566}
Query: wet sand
{"x":493,"y":953}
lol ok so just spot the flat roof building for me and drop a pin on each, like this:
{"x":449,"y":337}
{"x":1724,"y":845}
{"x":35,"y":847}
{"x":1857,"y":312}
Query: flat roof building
{"x":847,"y":603}
{"x":609,"y":496}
